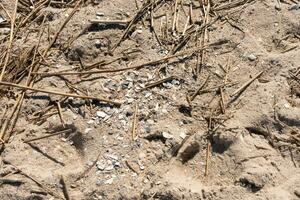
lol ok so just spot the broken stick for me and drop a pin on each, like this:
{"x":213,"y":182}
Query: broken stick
{"x":59,"y":93}
{"x":109,"y":22}
{"x":47,"y":136}
{"x":244,"y":87}
{"x":134,"y":122}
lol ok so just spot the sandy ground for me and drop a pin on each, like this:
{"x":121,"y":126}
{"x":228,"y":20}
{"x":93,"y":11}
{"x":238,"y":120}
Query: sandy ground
{"x":217,"y":118}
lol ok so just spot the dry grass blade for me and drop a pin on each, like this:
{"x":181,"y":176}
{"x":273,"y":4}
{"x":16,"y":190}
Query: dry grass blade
{"x":134,"y":123}
{"x":109,"y":22}
{"x":62,"y":27}
{"x":231,"y":4}
{"x":142,"y":11}
{"x":59,"y":93}
{"x":47,"y":136}
{"x":64,"y":188}
{"x":199,"y":89}
{"x":151,"y":85}
{"x":11,"y":37}
{"x":207,"y":158}
{"x":136,"y":67}
{"x":243,"y":87}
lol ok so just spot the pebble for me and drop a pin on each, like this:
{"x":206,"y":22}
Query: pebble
{"x":142,"y":156}
{"x":99,"y":14}
{"x":98,"y":44}
{"x":101,"y":165}
{"x":2,"y":19}
{"x":277,"y":7}
{"x":101,"y":114}
{"x":167,"y":135}
{"x":148,"y":94}
{"x":251,"y":57}
{"x":142,"y":167}
{"x":182,"y":135}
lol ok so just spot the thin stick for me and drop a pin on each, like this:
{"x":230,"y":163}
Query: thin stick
{"x":19,"y":101}
{"x":3,"y":115}
{"x":151,"y":85}
{"x":64,"y":188}
{"x":175,"y":16}
{"x":45,"y":188}
{"x":62,"y":27}
{"x":207,"y":158}
{"x":6,"y":12}
{"x":109,"y":22}
{"x":191,"y":13}
{"x":186,"y":25}
{"x":134,"y":123}
{"x":60,"y":113}
{"x":59,"y":93}
{"x":7,"y":120}
{"x":243,"y":87}
{"x":217,"y":87}
{"x":33,"y":12}
{"x":11,"y":37}
{"x":222,"y":101}
{"x":47,"y":136}
{"x":199,"y":89}
{"x":192,"y":50}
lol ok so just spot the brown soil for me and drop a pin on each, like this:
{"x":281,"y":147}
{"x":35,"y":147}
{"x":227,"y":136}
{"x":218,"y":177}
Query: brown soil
{"x":230,"y":140}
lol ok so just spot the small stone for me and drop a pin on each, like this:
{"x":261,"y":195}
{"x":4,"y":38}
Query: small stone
{"x":142,"y":156}
{"x":2,"y":19}
{"x":251,"y":57}
{"x":175,"y":82}
{"x":182,"y":135}
{"x":167,"y":85}
{"x":167,"y":135}
{"x":101,"y":165}
{"x":142,"y":167}
{"x":286,"y":105}
{"x":277,"y":7}
{"x":98,"y":44}
{"x":110,"y":132}
{"x":139,"y":31}
{"x":99,"y":14}
{"x":116,"y":164}
{"x":101,"y":114}
{"x":148,"y":94}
